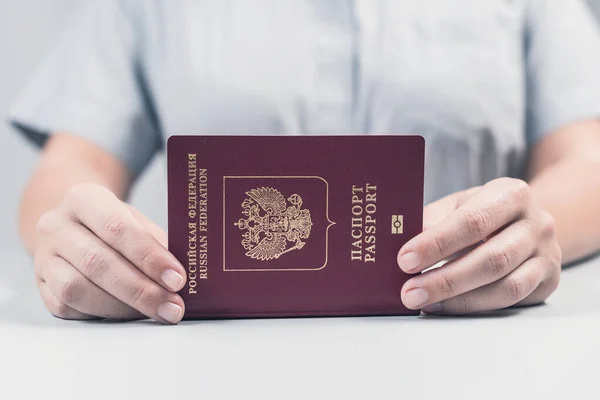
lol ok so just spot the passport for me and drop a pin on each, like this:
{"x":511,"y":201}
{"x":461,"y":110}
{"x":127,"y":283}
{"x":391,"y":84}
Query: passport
{"x":293,"y":226}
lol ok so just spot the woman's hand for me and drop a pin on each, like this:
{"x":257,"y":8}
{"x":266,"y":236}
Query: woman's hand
{"x":96,"y":257}
{"x":503,"y":248}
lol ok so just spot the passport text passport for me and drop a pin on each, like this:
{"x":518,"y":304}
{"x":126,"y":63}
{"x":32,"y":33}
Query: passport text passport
{"x":290,"y":226}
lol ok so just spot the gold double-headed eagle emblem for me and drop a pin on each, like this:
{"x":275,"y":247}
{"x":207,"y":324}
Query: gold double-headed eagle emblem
{"x":272,"y":223}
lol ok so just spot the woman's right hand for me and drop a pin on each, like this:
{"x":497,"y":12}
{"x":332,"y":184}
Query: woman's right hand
{"x":95,"y":257}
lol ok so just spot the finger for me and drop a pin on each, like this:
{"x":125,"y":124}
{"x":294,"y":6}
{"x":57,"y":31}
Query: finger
{"x":437,"y":211}
{"x":481,"y":266}
{"x":48,"y":225}
{"x":42,"y":253}
{"x":495,"y":205}
{"x":110,"y":271}
{"x":506,"y":292}
{"x":541,"y":293}
{"x":73,"y":289}
{"x":59,"y":309}
{"x":554,"y":254}
{"x":107,"y":217}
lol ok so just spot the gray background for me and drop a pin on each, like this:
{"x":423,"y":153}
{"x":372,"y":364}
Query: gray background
{"x":27,"y":30}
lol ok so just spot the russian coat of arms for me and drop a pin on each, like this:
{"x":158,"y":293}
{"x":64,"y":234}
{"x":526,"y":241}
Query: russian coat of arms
{"x":273,"y":226}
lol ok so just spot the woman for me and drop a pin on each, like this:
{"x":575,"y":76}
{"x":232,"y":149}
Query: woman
{"x":500,"y":90}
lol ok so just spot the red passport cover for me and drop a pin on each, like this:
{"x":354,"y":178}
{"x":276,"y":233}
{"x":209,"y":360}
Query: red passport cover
{"x":285,"y":226}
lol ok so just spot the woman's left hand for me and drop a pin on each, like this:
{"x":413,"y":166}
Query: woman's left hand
{"x":503,"y":247}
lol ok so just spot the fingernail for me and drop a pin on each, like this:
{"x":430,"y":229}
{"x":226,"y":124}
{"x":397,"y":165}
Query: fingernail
{"x":172,"y":279}
{"x":415,"y":298}
{"x":432,"y":308}
{"x":410,"y":261}
{"x":170,"y":312}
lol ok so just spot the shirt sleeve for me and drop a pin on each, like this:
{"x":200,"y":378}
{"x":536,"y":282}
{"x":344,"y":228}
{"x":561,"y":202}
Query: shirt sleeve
{"x":91,"y":86}
{"x":562,"y":65}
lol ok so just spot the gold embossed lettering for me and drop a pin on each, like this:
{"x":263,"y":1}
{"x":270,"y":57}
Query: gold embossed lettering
{"x":355,"y":255}
{"x":197,"y":246}
{"x":363,"y":223}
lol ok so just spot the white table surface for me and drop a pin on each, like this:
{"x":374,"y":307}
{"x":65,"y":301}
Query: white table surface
{"x":546,"y":352}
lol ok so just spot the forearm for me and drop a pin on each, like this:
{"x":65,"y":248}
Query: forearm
{"x":570,"y":191}
{"x":65,"y":162}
